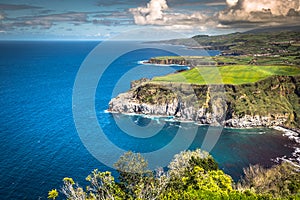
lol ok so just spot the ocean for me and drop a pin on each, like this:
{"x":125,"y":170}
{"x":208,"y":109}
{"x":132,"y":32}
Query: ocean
{"x":43,"y":137}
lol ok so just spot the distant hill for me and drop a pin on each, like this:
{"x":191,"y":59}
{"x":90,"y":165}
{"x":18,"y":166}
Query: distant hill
{"x":275,"y":41}
{"x":295,"y":28}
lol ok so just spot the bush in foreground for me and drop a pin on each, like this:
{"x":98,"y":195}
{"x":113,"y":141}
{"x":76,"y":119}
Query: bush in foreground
{"x":191,"y":175}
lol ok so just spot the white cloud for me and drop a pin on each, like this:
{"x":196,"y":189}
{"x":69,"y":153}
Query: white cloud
{"x":258,"y":10}
{"x":277,"y":7}
{"x":157,"y":12}
{"x":238,"y":14}
{"x":232,"y":3}
{"x":151,"y":14}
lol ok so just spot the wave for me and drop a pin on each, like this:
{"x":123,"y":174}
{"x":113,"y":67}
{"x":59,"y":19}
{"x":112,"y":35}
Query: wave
{"x":292,"y":135}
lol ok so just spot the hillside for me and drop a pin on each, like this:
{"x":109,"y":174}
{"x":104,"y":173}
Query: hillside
{"x":268,"y":102}
{"x":254,"y":82}
{"x":283,"y":43}
{"x":227,"y":60}
{"x":235,"y":75}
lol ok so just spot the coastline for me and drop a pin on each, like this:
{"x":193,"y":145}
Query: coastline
{"x":214,"y":114}
{"x":146,"y":62}
{"x":295,"y":136}
{"x":286,"y":132}
{"x":291,"y":134}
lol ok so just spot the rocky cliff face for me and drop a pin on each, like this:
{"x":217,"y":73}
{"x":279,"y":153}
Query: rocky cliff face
{"x":270,"y":102}
{"x":169,"y":61}
{"x":192,"y":62}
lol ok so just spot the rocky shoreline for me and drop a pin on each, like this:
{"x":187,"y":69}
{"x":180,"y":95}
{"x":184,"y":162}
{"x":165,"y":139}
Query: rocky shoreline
{"x":123,"y":104}
{"x":266,"y":103}
{"x":294,"y":135}
{"x":227,"y":105}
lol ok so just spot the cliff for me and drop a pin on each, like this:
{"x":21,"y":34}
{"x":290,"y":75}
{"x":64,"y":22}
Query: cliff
{"x":170,"y":61}
{"x":269,"y":102}
{"x":191,"y":61}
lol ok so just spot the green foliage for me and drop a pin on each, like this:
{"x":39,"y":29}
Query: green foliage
{"x":271,"y":43}
{"x":206,"y":163}
{"x":276,"y":97}
{"x":72,"y":190}
{"x":132,"y":168}
{"x":69,"y":181}
{"x":234,"y":75}
{"x":282,"y":180}
{"x":136,"y":180}
{"x":132,"y":163}
{"x":192,"y":175}
{"x":278,"y":60}
{"x":52,"y":194}
{"x":182,"y":161}
{"x":103,"y":186}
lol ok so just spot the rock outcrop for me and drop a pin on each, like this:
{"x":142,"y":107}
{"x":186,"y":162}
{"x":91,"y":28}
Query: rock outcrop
{"x":186,"y":61}
{"x":270,"y":102}
{"x":171,"y":61}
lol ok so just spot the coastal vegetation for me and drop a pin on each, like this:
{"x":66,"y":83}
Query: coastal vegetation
{"x":190,"y":175}
{"x":228,"y":60}
{"x":253,"y":82}
{"x":272,"y":101}
{"x":276,"y":43}
{"x":235,"y":75}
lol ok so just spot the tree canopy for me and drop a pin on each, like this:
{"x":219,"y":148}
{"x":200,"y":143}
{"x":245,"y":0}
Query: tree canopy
{"x":190,"y":175}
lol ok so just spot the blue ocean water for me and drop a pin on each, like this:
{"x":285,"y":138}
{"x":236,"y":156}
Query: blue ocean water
{"x":39,"y":142}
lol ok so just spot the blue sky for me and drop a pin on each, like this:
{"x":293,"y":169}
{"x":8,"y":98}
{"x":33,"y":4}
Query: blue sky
{"x":98,"y":19}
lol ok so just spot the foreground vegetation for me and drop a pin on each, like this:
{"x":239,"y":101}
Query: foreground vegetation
{"x":234,"y":75}
{"x":191,"y":175}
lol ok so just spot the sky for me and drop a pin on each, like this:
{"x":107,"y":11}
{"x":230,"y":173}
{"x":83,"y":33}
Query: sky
{"x":99,"y":19}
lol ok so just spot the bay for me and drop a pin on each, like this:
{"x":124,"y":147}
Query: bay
{"x":39,"y":142}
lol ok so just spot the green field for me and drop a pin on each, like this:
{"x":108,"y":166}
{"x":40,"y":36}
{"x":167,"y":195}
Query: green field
{"x":236,"y":60}
{"x":234,"y":74}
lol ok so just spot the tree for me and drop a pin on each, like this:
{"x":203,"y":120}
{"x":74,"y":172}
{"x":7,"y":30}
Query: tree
{"x":187,"y":160}
{"x":103,"y":186}
{"x":281,"y":180}
{"x":134,"y":175}
{"x":192,"y":175}
{"x":72,"y":190}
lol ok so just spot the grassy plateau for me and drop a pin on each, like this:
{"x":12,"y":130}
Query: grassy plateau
{"x":233,"y":74}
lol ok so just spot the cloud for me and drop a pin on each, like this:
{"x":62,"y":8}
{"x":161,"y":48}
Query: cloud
{"x":111,"y":22}
{"x":157,"y":12}
{"x":111,"y":18}
{"x":151,"y":14}
{"x":44,"y":21}
{"x":259,"y":11}
{"x":194,"y":4}
{"x":232,"y":3}
{"x":236,"y":14}
{"x":216,"y":3}
{"x":17,"y":7}
{"x":64,"y":17}
{"x":47,"y":21}
{"x":102,"y":3}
